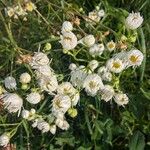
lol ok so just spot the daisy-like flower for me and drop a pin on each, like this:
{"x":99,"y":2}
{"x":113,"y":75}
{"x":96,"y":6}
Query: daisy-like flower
{"x":33,"y":98}
{"x":111,"y":46}
{"x":29,"y":6}
{"x":88,"y":40}
{"x":68,"y":40}
{"x":62,"y":124}
{"x":77,"y":77}
{"x":107,"y":76}
{"x":4,"y":140}
{"x":96,"y":49}
{"x":133,"y":21}
{"x":115,"y":65}
{"x":39,"y":59}
{"x":121,"y":99}
{"x":92,"y":84}
{"x":25,"y":78}
{"x":48,"y":83}
{"x":12,"y":102}
{"x":66,"y":27}
{"x":93,"y":64}
{"x":43,"y":126}
{"x":61,"y":103}
{"x":43,"y":71}
{"x":10,"y":11}
{"x":107,"y":93}
{"x":53,"y":129}
{"x":10,"y":83}
{"x":135,"y":57}
{"x":72,"y":66}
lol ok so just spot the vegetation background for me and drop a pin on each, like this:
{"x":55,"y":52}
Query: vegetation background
{"x":98,"y":126}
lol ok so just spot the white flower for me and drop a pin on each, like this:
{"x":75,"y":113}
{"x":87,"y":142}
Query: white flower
{"x":88,"y":40}
{"x":19,"y":11}
{"x":75,"y":98}
{"x":72,"y":66}
{"x":12,"y":102}
{"x":35,"y":123}
{"x":68,"y":40}
{"x":25,"y":114}
{"x":48,"y":83}
{"x":66,"y":27}
{"x":107,"y":93}
{"x":121,"y":99}
{"x":10,"y":83}
{"x":93,"y":64}
{"x":4,"y":140}
{"x":111,"y":46}
{"x":92,"y":84}
{"x":101,"y":13}
{"x":93,"y":17}
{"x":102,"y":70}
{"x":96,"y":49}
{"x":10,"y":11}
{"x":133,"y":21}
{"x":61,"y":103}
{"x":77,"y":77}
{"x":43,"y":126}
{"x":25,"y":78}
{"x":62,"y":124}
{"x":53,"y":129}
{"x":43,"y":70}
{"x":33,"y":98}
{"x":115,"y":65}
{"x":135,"y":57}
{"x":39,"y":59}
{"x":107,"y":76}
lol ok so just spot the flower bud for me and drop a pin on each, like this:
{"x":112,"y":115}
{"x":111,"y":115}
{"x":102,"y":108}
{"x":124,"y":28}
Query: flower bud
{"x":72,"y":112}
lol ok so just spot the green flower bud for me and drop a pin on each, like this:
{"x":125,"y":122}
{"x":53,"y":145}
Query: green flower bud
{"x":24,"y":86}
{"x":72,"y":112}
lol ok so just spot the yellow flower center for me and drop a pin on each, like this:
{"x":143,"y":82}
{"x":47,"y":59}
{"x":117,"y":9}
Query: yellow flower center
{"x":134,"y":59}
{"x":111,"y":45}
{"x":67,"y":38}
{"x":116,"y":65}
{"x":92,"y":84}
{"x":57,"y":103}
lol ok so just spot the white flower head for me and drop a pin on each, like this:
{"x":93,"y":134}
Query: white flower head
{"x":93,"y":17}
{"x":72,"y":66}
{"x":12,"y":102}
{"x":121,"y":99}
{"x":101,"y":13}
{"x":48,"y":83}
{"x":88,"y":40}
{"x":115,"y":65}
{"x":39,"y":59}
{"x":107,"y":76}
{"x":61,"y":103}
{"x":133,"y":21}
{"x":92,"y":84}
{"x":62,"y":124}
{"x":102,"y":70}
{"x":4,"y":140}
{"x":68,"y":40}
{"x":96,"y":49}
{"x":93,"y":64}
{"x":135,"y":57}
{"x":25,"y":114}
{"x":43,"y":70}
{"x":107,"y":93}
{"x":43,"y":126}
{"x":10,"y":11}
{"x":53,"y":129}
{"x":25,"y":78}
{"x":10,"y":83}
{"x":111,"y":46}
{"x":33,"y":98}
{"x":66,"y":27}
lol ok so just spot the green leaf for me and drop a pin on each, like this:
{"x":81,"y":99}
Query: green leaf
{"x":137,"y":141}
{"x":146,"y":94}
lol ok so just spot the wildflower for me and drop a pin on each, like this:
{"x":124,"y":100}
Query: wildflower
{"x":88,"y":40}
{"x":12,"y":102}
{"x":72,"y":66}
{"x":102,"y":70}
{"x":111,"y":46}
{"x":43,"y":126}
{"x":68,"y":40}
{"x":33,"y":98}
{"x":115,"y":65}
{"x":10,"y":83}
{"x":25,"y":114}
{"x":62,"y":124}
{"x":134,"y":20}
{"x":92,"y":84}
{"x":29,"y":6}
{"x":135,"y":57}
{"x":93,"y":64}
{"x":53,"y":129}
{"x":107,"y":93}
{"x":101,"y":13}
{"x":10,"y":11}
{"x":66,"y":27}
{"x":19,"y":11}
{"x":43,"y":71}
{"x":107,"y":76}
{"x":61,"y":103}
{"x":121,"y":99}
{"x":25,"y":78}
{"x":96,"y":49}
{"x":39,"y":59}
{"x":4,"y":140}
